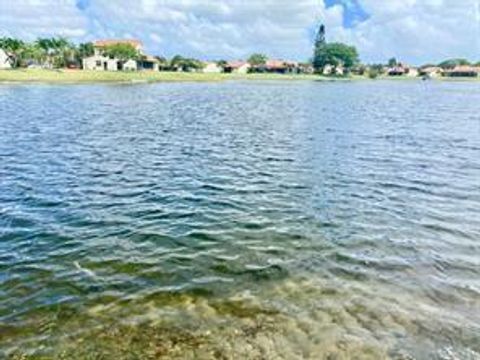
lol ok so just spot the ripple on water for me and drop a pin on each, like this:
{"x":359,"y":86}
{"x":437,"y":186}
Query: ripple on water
{"x":240,"y":219}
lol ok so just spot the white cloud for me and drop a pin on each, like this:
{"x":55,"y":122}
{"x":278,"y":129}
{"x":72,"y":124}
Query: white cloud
{"x":214,"y":29}
{"x":412,"y":30}
{"x":417,"y":30}
{"x":30,"y":19}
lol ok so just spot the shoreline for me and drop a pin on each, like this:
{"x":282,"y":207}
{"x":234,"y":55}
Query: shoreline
{"x":80,"y":77}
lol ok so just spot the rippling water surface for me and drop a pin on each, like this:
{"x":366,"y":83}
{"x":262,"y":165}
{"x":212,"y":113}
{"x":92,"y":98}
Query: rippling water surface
{"x":240,"y":220}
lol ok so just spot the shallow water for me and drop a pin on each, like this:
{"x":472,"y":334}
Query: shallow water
{"x":254,"y":220}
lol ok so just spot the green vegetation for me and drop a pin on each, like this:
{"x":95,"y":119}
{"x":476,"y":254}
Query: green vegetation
{"x":122,"y":52}
{"x":373,"y":73}
{"x":47,"y":52}
{"x":340,"y":60}
{"x":333,"y":54}
{"x":257,"y":59}
{"x":14,"y":48}
{"x":451,"y":63}
{"x":178,"y":62}
{"x":392,"y":62}
{"x":84,"y":76}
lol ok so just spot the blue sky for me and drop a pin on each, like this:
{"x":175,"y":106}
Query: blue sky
{"x":415,"y":31}
{"x":353,"y":12}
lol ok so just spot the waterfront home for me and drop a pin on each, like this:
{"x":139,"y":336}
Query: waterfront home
{"x":279,"y":66}
{"x":305,"y":68}
{"x":402,"y":70}
{"x":4,"y":60}
{"x":399,"y":70}
{"x":212,"y":68}
{"x":431,"y":71}
{"x":462,"y":71}
{"x":148,"y":62}
{"x":100,"y":62}
{"x":412,"y":72}
{"x":333,"y":70}
{"x":238,"y":67}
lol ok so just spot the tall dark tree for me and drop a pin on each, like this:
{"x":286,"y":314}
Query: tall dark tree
{"x":321,"y":39}
{"x":392,"y":62}
{"x":334,"y":54}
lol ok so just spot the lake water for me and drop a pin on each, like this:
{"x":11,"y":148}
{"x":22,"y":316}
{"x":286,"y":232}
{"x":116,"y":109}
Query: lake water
{"x":254,"y":220}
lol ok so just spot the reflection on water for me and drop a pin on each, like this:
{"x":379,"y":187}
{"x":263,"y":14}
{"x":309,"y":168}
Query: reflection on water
{"x":264,"y":220}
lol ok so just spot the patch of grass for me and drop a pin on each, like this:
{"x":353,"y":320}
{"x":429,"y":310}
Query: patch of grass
{"x":83,"y":76}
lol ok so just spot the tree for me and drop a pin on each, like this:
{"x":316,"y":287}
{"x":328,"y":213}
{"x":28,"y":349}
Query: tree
{"x":57,"y":52}
{"x":373,"y":73}
{"x":392,"y":62}
{"x":379,"y":68}
{"x":84,"y":50}
{"x":222,"y":63}
{"x":335,"y":54}
{"x":321,"y":39}
{"x":121,"y":52}
{"x":13,"y":48}
{"x":179,"y":62}
{"x":257,"y":59}
{"x":31,"y":54}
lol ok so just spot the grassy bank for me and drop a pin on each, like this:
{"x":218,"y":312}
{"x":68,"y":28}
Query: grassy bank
{"x":78,"y":76}
{"x":81,"y":76}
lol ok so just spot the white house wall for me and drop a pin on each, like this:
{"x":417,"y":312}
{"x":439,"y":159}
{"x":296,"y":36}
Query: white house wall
{"x":97,"y":63}
{"x":4,"y":63}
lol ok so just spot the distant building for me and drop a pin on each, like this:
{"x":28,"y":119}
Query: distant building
{"x":399,"y":70}
{"x":412,"y":72}
{"x":431,"y":71}
{"x":462,"y":71}
{"x":99,"y":62}
{"x":148,"y":62}
{"x":305,"y":68}
{"x":238,"y":67}
{"x":212,"y":68}
{"x":4,"y":60}
{"x":333,"y":70}
{"x":279,"y":67}
{"x":402,"y":70}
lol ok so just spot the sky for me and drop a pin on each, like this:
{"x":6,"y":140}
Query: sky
{"x":413,"y":31}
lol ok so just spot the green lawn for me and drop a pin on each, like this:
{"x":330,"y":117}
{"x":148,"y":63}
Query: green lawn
{"x":80,"y":76}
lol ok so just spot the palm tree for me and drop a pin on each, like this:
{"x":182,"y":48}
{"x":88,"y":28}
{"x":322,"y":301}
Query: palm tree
{"x":31,"y":54}
{"x":58,"y":52}
{"x":46,"y":47}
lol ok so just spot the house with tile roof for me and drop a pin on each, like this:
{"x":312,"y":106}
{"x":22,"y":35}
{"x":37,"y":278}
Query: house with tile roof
{"x":462,"y":71}
{"x":238,"y":66}
{"x":100,"y":62}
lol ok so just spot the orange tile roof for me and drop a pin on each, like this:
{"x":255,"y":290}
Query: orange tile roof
{"x":463,"y":68}
{"x":275,"y":64}
{"x":236,"y":64}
